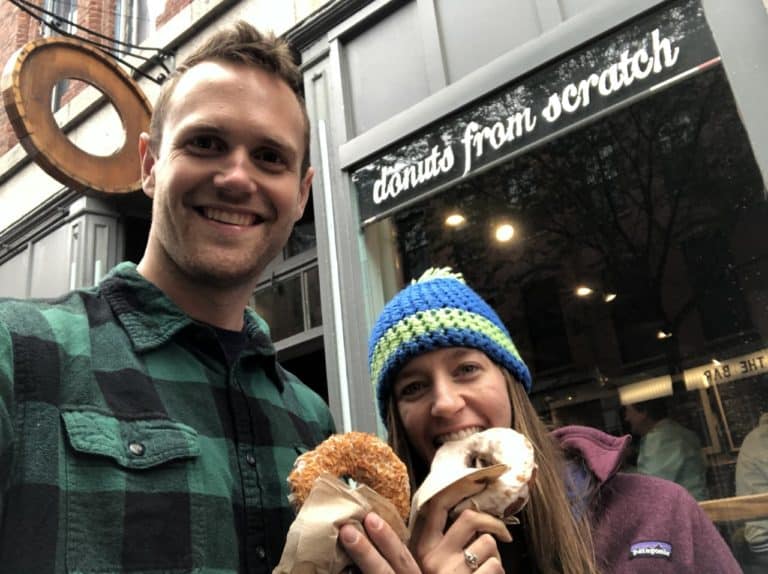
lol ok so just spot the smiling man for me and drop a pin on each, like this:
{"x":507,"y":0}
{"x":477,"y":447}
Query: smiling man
{"x":145,"y":424}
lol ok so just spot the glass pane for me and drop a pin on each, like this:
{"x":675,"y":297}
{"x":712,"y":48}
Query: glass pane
{"x":313,"y":296}
{"x":303,"y":237}
{"x":280,"y":306}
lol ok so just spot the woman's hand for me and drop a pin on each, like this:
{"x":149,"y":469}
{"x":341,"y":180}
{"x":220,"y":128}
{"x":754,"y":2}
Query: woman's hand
{"x":381,"y":552}
{"x":469,"y":545}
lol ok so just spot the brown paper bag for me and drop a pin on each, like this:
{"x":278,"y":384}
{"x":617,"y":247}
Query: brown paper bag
{"x":311,"y":546}
{"x":466,"y":481}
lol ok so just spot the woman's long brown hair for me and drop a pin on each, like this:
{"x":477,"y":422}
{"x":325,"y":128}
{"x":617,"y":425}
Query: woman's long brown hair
{"x":559,"y":539}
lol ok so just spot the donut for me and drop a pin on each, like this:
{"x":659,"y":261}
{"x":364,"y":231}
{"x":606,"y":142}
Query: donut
{"x":363,"y":457}
{"x":503,"y":496}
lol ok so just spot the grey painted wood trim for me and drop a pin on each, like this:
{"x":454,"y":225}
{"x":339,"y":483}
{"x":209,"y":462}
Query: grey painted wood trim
{"x":437,"y":76}
{"x":364,"y":18}
{"x":550,"y":13}
{"x":547,"y":47}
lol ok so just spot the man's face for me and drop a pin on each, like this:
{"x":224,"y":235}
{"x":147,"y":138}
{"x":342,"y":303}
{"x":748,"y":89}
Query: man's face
{"x":226,"y":180}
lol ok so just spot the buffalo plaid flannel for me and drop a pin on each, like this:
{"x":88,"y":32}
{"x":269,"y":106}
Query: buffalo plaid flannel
{"x":127,"y":444}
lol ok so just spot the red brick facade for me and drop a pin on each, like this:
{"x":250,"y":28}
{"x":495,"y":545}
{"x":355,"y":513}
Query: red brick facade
{"x":17,"y":28}
{"x":172,"y":7}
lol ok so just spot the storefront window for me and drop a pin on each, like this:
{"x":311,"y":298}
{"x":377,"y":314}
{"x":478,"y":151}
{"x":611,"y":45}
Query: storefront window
{"x":627,"y":257}
{"x":290,"y":304}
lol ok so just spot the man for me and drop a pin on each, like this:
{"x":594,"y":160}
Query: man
{"x":667,"y":449}
{"x":752,"y":478}
{"x":145,"y":424}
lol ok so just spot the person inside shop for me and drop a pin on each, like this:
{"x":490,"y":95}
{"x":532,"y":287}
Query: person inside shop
{"x":145,"y":423}
{"x":444,"y":366}
{"x":752,"y":478}
{"x":667,"y":449}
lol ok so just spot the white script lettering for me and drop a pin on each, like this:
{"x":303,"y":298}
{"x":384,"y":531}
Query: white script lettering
{"x":392,"y":181}
{"x":618,"y":75}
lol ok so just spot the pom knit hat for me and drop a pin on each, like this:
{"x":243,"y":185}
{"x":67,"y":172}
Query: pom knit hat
{"x":438,"y":310}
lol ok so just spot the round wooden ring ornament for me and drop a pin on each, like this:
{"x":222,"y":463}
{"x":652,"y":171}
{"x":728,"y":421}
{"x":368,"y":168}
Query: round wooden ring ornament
{"x":27,"y":84}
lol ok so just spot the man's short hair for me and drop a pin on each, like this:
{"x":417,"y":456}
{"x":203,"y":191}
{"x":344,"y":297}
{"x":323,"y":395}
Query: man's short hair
{"x":655,"y":409}
{"x":239,"y":44}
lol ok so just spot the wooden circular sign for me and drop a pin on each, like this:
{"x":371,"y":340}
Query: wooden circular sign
{"x":27,"y":85}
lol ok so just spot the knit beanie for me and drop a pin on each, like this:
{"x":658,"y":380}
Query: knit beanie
{"x":434,"y":312}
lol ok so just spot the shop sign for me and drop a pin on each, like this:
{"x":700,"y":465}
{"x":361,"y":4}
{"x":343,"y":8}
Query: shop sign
{"x":647,"y":55}
{"x":27,"y":82}
{"x":718,"y":372}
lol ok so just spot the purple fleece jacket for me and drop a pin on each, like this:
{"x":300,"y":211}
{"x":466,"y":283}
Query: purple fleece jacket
{"x":645,"y":524}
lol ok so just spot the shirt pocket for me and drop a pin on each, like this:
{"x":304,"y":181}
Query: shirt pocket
{"x":127,"y":493}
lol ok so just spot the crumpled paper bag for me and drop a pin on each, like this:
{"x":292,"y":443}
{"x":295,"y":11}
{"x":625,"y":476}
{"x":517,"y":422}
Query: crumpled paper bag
{"x":311,"y":546}
{"x":455,"y":485}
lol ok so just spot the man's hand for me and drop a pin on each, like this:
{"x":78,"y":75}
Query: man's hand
{"x":381,"y":551}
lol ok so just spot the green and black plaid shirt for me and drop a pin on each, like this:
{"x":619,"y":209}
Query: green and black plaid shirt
{"x":128,"y":444}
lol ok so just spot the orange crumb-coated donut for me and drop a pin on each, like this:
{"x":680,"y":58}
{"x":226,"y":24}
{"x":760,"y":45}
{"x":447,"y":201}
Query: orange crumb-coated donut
{"x":360,"y":456}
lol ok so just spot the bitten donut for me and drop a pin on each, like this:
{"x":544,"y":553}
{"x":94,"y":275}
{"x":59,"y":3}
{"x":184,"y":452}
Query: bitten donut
{"x":509,"y":493}
{"x":360,"y":456}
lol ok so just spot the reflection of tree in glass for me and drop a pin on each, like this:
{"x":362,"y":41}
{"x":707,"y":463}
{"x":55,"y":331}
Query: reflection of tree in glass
{"x":614,"y":202}
{"x":633,"y":188}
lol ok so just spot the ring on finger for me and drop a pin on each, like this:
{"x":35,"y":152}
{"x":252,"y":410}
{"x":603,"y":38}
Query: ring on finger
{"x":471,"y":559}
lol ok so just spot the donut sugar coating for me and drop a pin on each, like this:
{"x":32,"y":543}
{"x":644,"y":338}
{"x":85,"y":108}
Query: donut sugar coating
{"x":363,"y":457}
{"x":509,"y":493}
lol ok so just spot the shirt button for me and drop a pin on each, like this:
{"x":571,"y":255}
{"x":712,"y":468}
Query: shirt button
{"x":250,"y":459}
{"x":136,"y":448}
{"x":260,"y":552}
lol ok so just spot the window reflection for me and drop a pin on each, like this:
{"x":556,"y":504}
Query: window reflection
{"x":290,"y":304}
{"x":280,"y":305}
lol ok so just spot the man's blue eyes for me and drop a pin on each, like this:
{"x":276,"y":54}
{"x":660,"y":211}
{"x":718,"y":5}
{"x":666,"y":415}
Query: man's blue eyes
{"x":207,"y":143}
{"x":269,"y":156}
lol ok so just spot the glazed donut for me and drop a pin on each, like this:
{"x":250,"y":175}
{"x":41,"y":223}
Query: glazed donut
{"x":504,"y":496}
{"x":363,"y":457}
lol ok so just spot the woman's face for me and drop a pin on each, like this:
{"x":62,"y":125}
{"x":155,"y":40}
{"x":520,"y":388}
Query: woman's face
{"x":448,"y":394}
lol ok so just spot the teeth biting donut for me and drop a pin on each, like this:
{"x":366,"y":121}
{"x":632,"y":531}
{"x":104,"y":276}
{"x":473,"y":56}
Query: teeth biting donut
{"x":360,"y":456}
{"x":508,"y":489}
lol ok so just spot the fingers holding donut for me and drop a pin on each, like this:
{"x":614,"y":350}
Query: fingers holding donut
{"x":483,"y":556}
{"x":431,"y":526}
{"x":379,"y":550}
{"x":473,"y":532}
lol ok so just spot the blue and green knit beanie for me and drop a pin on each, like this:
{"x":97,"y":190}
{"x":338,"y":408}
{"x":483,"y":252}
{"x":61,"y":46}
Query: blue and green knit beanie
{"x":438,"y":310}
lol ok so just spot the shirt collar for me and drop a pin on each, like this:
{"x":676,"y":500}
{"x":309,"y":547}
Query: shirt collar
{"x":151,"y":319}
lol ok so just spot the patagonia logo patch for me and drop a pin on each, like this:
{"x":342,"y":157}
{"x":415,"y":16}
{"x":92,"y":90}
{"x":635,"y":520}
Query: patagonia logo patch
{"x":650,"y":549}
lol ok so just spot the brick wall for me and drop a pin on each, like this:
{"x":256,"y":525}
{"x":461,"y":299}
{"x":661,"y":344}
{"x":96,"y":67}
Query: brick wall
{"x":172,"y":7}
{"x":17,"y":28}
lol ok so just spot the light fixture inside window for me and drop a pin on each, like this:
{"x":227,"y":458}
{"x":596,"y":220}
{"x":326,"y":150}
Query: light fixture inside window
{"x":583,"y":291}
{"x":608,"y":297}
{"x":504,"y":232}
{"x":454,"y":220}
{"x":662,"y":334}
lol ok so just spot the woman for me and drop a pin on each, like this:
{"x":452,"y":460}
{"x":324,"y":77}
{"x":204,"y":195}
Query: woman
{"x":445,"y":366}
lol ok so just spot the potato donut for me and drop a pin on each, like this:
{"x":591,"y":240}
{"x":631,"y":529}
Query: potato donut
{"x":360,"y":456}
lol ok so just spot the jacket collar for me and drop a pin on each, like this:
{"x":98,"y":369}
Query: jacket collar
{"x":602,"y":452}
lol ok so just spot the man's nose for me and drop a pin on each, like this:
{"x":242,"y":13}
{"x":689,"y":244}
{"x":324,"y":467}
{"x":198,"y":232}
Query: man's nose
{"x":236,"y":174}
